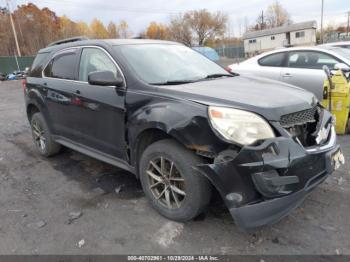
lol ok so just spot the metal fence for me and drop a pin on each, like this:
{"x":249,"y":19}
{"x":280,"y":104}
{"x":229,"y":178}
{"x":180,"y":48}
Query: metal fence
{"x":8,"y":64}
{"x":230,"y":54}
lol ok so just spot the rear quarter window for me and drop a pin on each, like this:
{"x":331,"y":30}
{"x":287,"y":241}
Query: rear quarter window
{"x":38,"y":64}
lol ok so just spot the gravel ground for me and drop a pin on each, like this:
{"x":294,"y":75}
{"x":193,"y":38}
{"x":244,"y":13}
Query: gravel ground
{"x":72,"y":204}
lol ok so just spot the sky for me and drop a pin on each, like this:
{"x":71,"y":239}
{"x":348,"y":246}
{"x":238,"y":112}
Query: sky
{"x":139,"y":14}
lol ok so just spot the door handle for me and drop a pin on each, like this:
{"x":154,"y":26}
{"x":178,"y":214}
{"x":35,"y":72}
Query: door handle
{"x":287,"y":75}
{"x":77,"y":92}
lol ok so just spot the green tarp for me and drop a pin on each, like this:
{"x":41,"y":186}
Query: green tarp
{"x":8,"y":64}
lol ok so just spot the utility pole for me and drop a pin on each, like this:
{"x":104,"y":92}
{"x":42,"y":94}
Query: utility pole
{"x":322,"y":23}
{"x":13,"y":29}
{"x":347,"y":28}
{"x":262,"y":20}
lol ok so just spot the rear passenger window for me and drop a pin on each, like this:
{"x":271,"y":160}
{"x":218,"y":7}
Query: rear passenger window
{"x":62,"y":66}
{"x":272,"y":60}
{"x":310,"y":60}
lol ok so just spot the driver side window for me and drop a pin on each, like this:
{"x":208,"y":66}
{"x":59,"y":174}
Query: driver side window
{"x":94,"y":59}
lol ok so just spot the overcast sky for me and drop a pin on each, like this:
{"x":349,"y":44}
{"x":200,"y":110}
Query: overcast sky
{"x":140,"y":13}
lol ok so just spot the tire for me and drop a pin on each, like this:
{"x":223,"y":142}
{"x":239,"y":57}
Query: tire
{"x":42,"y":137}
{"x":196,"y":187}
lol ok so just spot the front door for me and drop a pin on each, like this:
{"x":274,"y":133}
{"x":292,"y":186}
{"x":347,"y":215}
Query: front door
{"x":100,"y":110}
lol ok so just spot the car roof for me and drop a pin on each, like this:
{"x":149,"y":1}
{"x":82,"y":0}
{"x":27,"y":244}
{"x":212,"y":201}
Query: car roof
{"x":336,"y":43}
{"x":327,"y":49}
{"x":111,"y":42}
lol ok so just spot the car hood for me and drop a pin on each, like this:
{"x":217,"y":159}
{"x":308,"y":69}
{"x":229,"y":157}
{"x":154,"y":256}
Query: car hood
{"x":269,"y":98}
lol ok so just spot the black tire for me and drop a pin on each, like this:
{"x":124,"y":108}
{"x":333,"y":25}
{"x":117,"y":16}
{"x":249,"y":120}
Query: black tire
{"x":196,"y":187}
{"x":44,"y":143}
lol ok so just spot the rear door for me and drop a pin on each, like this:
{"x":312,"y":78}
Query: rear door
{"x":305,"y":69}
{"x":99,"y":110}
{"x":58,"y":84}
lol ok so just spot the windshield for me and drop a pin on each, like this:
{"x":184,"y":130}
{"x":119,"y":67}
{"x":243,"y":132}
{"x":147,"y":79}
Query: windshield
{"x":169,"y":64}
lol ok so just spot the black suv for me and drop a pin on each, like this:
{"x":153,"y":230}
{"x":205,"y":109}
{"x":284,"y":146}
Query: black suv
{"x":182,"y":125}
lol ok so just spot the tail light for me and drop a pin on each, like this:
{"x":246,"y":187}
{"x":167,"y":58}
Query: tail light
{"x":24,"y":85}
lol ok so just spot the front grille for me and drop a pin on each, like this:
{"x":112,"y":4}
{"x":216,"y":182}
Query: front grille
{"x":299,"y":118}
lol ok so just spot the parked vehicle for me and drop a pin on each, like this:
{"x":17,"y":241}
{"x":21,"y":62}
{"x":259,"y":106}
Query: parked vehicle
{"x":182,"y":125}
{"x":343,"y":44}
{"x":11,"y":76}
{"x":2,"y":77}
{"x":299,"y":66}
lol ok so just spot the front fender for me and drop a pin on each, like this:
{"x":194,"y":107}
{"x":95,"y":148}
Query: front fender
{"x":185,"y":121}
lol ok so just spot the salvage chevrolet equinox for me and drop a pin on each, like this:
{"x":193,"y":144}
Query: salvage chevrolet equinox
{"x":183,"y":125}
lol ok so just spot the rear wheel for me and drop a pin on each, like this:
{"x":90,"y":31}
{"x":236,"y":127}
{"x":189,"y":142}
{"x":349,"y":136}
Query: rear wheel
{"x":174,"y":188}
{"x":42,"y":136}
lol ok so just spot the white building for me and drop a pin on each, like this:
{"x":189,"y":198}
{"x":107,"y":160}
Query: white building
{"x":290,"y":35}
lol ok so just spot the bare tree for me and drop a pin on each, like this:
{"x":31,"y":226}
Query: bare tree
{"x":277,"y":15}
{"x":198,"y":26}
{"x":180,"y":30}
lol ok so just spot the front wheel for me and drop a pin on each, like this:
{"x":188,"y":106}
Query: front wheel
{"x":174,"y":188}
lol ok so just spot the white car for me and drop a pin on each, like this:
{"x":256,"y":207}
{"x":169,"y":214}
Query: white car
{"x":299,"y":66}
{"x":343,"y":44}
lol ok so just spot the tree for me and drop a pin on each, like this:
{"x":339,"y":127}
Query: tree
{"x":83,"y":28}
{"x":112,"y":30}
{"x":123,"y":29}
{"x":206,"y":25}
{"x":276,"y":15}
{"x":67,"y":27}
{"x":98,"y":30}
{"x":198,"y":26}
{"x":180,"y":31}
{"x":157,"y":31}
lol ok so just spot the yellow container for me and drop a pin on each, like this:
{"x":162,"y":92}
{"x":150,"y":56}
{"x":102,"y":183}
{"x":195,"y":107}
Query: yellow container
{"x":340,"y":100}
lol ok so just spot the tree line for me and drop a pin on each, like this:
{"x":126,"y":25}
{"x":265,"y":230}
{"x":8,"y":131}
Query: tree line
{"x":36,"y":28}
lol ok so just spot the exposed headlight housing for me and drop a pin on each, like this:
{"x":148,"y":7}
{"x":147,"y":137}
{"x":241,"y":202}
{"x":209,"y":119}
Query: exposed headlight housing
{"x":239,"y":126}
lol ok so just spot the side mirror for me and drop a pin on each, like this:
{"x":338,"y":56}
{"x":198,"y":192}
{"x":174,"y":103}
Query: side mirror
{"x":341,"y":66}
{"x":105,"y":78}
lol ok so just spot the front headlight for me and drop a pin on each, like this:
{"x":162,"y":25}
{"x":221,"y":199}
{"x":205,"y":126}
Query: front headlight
{"x":239,"y":126}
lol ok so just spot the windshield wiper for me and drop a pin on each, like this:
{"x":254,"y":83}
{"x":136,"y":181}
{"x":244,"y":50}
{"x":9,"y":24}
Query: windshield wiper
{"x":217,"y":75}
{"x":173,"y":82}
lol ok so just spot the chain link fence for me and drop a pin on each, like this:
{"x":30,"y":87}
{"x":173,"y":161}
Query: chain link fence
{"x":9,"y":64}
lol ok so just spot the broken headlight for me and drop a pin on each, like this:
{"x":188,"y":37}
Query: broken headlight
{"x":239,"y":126}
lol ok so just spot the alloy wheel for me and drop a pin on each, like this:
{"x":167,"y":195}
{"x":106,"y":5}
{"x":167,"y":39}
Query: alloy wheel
{"x":166,"y":182}
{"x":39,"y":136}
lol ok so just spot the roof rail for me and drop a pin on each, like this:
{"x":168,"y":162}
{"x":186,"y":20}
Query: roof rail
{"x":69,"y":40}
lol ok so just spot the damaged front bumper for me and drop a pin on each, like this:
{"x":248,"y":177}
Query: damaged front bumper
{"x":262,"y":184}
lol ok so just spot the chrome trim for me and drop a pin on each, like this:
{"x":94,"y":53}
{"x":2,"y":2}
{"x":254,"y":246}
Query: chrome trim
{"x":330,"y":144}
{"x":77,"y":47}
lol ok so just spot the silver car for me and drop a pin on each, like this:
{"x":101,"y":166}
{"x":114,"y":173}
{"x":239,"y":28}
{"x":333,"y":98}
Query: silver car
{"x":299,"y":66}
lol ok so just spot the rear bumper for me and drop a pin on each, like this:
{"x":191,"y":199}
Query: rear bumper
{"x":260,"y":188}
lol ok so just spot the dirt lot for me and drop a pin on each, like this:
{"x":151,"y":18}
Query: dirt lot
{"x":37,"y":196}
